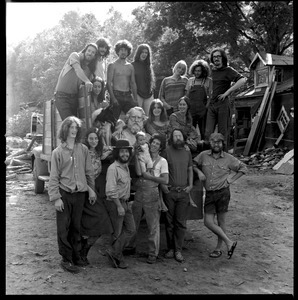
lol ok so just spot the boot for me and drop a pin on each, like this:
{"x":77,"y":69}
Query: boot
{"x":84,"y":250}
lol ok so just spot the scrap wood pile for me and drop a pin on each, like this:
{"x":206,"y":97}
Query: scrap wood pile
{"x":18,"y":156}
{"x":279,"y":159}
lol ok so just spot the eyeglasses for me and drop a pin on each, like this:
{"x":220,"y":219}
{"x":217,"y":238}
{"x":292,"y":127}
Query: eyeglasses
{"x":217,"y":56}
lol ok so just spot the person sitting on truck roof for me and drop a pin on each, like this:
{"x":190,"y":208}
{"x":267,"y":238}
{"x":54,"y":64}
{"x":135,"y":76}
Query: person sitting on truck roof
{"x":78,"y":69}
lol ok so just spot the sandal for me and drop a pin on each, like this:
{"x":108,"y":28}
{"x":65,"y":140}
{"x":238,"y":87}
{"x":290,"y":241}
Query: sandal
{"x":215,"y":253}
{"x":231,"y":251}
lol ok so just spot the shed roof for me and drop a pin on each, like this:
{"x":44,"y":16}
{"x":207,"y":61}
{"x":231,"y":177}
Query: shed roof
{"x":269,"y":59}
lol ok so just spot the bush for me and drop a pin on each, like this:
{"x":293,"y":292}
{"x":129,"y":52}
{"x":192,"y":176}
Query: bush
{"x":19,"y":124}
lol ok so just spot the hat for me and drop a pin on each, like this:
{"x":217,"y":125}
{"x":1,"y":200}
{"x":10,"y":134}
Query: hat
{"x":216,"y":136}
{"x":122,"y":144}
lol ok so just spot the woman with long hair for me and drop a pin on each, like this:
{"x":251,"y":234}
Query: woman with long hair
{"x":182,"y":120}
{"x":199,"y":90}
{"x":144,"y":76}
{"x":157,"y":121}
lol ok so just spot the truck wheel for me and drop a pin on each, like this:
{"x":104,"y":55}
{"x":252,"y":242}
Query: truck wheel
{"x":38,"y":184}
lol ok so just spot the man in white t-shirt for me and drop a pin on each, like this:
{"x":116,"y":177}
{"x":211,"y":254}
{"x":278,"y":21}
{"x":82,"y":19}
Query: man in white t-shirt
{"x":146,"y":199}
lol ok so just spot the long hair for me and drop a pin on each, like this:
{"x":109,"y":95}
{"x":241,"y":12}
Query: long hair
{"x":64,"y":128}
{"x":149,"y":76}
{"x":123,"y":44}
{"x":163,"y":115}
{"x":180,"y":62}
{"x":223,"y":54}
{"x":99,"y":146}
{"x":170,"y":140}
{"x":101,"y":95}
{"x":116,"y":153}
{"x":161,"y":138}
{"x":188,"y":114}
{"x":92,"y":64}
{"x":103,"y":42}
{"x":204,"y":66}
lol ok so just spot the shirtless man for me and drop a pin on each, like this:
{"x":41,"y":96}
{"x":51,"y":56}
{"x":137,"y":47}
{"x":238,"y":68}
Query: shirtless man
{"x":121,"y":80}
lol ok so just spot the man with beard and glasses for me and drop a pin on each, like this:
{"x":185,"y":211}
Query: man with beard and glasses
{"x":118,"y":194}
{"x":121,"y":80}
{"x":177,"y":198}
{"x":214,"y":168}
{"x":219,"y":108}
{"x":78,"y":69}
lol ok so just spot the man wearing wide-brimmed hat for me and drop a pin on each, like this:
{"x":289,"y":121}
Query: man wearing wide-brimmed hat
{"x":118,"y":193}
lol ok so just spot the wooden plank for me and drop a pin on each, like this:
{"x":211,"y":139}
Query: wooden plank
{"x":287,"y":157}
{"x":255,"y":124}
{"x":265,"y":118}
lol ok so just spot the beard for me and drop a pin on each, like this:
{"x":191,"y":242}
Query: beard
{"x":178,"y":144}
{"x":216,"y":149}
{"x":124,"y":159}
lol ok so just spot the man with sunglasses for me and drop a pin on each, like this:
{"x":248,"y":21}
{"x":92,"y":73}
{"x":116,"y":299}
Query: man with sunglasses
{"x":219,"y":108}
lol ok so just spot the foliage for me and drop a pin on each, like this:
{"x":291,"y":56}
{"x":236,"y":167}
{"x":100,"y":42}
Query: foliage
{"x":19,"y":124}
{"x":174,"y":30}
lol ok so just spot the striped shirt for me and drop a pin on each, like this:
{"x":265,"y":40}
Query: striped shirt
{"x":171,"y":90}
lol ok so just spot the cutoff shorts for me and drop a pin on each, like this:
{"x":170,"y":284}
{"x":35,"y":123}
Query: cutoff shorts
{"x":217,"y":201}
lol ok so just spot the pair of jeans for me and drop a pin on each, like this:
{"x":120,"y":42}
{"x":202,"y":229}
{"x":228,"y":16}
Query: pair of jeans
{"x":218,"y":113}
{"x":125,"y":100}
{"x":67,"y":104}
{"x":124,"y":228}
{"x":146,"y":201}
{"x":175,"y":221}
{"x":69,"y":224}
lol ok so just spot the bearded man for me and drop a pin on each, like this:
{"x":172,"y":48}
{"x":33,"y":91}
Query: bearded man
{"x":214,"y":168}
{"x":177,"y":197}
{"x":77,"y":70}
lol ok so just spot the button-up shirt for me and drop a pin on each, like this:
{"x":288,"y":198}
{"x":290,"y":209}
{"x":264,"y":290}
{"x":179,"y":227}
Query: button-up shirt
{"x":118,"y":181}
{"x":71,"y":170}
{"x":217,"y":170}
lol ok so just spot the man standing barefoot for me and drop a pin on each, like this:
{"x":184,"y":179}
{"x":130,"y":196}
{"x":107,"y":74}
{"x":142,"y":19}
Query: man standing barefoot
{"x":121,"y":80}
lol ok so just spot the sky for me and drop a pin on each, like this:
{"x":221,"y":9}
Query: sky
{"x":24,"y":20}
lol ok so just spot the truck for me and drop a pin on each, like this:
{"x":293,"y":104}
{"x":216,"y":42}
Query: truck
{"x":41,"y":155}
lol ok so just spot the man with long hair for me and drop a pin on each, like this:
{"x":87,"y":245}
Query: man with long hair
{"x":104,"y":47}
{"x":219,"y":109}
{"x":77,"y":70}
{"x":177,"y":192}
{"x":71,"y":176}
{"x":118,"y":193}
{"x":121,"y":82}
{"x":144,"y":76}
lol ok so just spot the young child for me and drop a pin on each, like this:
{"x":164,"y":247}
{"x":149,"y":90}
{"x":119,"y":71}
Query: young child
{"x":144,"y":156}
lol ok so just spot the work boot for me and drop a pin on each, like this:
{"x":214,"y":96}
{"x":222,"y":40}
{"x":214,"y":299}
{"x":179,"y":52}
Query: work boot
{"x":69,"y":266}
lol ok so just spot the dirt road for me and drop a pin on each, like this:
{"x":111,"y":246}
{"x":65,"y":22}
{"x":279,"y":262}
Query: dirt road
{"x":260,"y":219}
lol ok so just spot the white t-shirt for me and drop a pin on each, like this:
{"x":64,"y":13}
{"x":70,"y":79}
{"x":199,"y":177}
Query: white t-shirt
{"x":161,"y":167}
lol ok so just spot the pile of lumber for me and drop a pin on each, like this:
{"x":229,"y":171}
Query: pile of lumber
{"x":279,"y":159}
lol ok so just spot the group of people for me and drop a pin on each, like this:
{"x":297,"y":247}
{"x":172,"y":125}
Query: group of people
{"x":141,"y":155}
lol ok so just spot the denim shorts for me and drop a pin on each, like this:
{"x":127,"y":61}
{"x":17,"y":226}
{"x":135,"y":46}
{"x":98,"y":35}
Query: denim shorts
{"x":217,"y":201}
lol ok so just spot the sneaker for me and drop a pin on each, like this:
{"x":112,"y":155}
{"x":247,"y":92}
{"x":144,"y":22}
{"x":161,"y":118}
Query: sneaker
{"x":129,"y":251}
{"x":69,"y":266}
{"x":179,"y":257}
{"x":151,"y":259}
{"x":170,"y":254}
{"x":122,"y":264}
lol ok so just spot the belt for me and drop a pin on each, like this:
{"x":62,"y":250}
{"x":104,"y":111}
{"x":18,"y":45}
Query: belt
{"x":122,"y":93}
{"x":66,"y":94}
{"x":177,"y":189}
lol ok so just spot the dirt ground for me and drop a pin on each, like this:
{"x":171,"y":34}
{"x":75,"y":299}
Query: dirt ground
{"x":260,"y":219}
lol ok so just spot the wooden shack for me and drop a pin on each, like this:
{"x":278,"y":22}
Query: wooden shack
{"x":268,"y":103}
